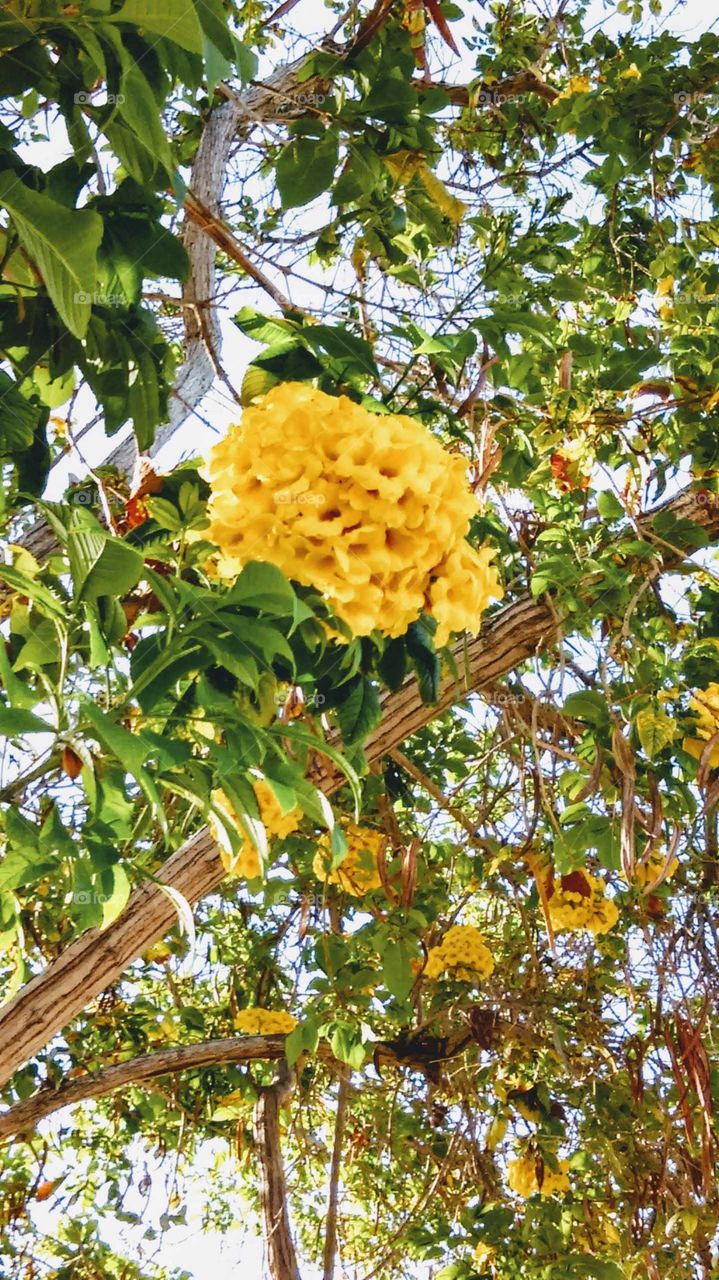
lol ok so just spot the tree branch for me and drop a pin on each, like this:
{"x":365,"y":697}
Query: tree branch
{"x":330,"y":1249}
{"x":281,"y":1256}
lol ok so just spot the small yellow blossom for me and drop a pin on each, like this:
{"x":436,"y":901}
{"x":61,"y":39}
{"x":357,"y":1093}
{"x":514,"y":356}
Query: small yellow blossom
{"x":577,"y":84}
{"x":264,"y":1022}
{"x":462,"y":954}
{"x":705,"y":704}
{"x":578,"y":902}
{"x":358,"y":873}
{"x":276,"y":823}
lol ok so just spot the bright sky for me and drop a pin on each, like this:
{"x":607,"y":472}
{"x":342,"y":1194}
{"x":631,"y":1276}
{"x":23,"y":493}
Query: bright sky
{"x":203,"y":1255}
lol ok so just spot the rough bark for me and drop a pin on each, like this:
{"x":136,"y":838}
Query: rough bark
{"x":281,"y":1256}
{"x":98,"y":1084}
{"x":329,"y":1256}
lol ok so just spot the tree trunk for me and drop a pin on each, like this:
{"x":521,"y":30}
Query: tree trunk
{"x":281,"y":1257}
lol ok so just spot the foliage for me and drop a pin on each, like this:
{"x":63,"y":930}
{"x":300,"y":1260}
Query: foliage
{"x":518,"y":253}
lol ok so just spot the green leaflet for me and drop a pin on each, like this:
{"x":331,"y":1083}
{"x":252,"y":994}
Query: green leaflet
{"x":62,"y":242}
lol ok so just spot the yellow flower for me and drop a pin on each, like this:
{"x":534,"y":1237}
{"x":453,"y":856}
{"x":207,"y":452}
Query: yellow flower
{"x":705,"y":703}
{"x":462,"y":954}
{"x":358,"y":872}
{"x":577,"y":84}
{"x":458,"y":594}
{"x":578,"y":902}
{"x":276,"y":823}
{"x":632,"y":73}
{"x":367,"y":508}
{"x":646,"y":872}
{"x":264,"y":1022}
{"x":527,"y":1176}
{"x":484,"y":1254}
{"x":664,"y":286}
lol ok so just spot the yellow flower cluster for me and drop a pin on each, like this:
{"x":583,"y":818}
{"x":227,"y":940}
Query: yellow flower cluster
{"x":578,"y":901}
{"x":706,"y":705}
{"x":484,"y":1254}
{"x":358,"y":872}
{"x":367,"y":508}
{"x":576,"y":84}
{"x":276,"y":823}
{"x":647,"y":872}
{"x":264,"y":1022}
{"x":462,"y":953}
{"x":524,"y":1180}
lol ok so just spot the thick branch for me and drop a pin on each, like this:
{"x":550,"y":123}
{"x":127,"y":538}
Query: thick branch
{"x":281,"y":1257}
{"x":330,"y":1250}
{"x":97,"y":1084}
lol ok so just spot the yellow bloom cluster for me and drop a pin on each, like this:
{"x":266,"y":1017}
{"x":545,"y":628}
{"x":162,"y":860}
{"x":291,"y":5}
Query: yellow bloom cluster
{"x":578,"y":901}
{"x":264,"y":1022}
{"x":368,"y":509}
{"x":646,"y":872}
{"x":706,"y":705}
{"x":462,"y":953}
{"x":576,"y":84}
{"x":523,"y":1179}
{"x":358,"y":872}
{"x":276,"y":823}
{"x":484,"y":1254}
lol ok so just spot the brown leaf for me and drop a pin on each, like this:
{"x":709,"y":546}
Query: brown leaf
{"x":71,"y":762}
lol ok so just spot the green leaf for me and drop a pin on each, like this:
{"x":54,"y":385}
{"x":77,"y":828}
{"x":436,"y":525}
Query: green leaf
{"x":420,"y":647}
{"x":360,"y":711}
{"x":655,"y":729}
{"x":140,"y":112}
{"x":304,"y":1039}
{"x":396,"y":970}
{"x":305,"y":168}
{"x":18,"y":417}
{"x":347,"y":1047}
{"x":62,"y":242}
{"x":131,"y":751}
{"x":264,"y":587}
{"x":344,"y":348}
{"x":589,"y":706}
{"x":166,"y":18}
{"x":100,"y":564}
{"x":609,"y":506}
{"x":16,"y":722}
{"x":21,"y":867}
{"x":213,"y":20}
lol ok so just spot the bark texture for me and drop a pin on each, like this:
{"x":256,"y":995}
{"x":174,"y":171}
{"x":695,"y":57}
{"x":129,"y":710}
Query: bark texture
{"x":281,"y":1257}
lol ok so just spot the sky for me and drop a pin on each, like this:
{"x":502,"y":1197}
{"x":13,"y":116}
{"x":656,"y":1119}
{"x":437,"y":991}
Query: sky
{"x":210,"y":1256}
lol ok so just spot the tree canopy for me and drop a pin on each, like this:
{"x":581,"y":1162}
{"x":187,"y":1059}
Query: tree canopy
{"x":359,"y":862}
